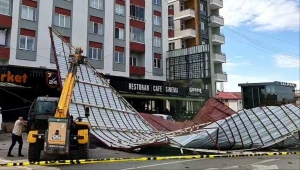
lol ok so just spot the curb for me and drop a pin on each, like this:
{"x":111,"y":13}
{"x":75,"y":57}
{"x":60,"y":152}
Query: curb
{"x":160,"y":158}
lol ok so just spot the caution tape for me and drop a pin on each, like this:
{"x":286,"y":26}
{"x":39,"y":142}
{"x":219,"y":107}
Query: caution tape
{"x":159,"y":158}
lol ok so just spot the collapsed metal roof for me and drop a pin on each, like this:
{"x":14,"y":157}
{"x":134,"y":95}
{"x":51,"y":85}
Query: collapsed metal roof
{"x":216,"y":127}
{"x":273,"y":126}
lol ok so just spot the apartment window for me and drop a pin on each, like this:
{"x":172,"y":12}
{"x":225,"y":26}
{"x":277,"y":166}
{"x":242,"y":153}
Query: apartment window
{"x":95,"y":53}
{"x":157,"y":42}
{"x":119,"y":33}
{"x":119,"y":9}
{"x":27,"y":43}
{"x":182,"y":25}
{"x":119,"y":57}
{"x":171,"y":7}
{"x":28,"y":13}
{"x":97,"y":4}
{"x":183,"y":44}
{"x":181,"y":6}
{"x":157,"y":63}
{"x":157,"y":20}
{"x":133,"y":61}
{"x":204,"y":41}
{"x":157,"y":2}
{"x":137,"y":12}
{"x":204,"y":25}
{"x":171,"y":46}
{"x":5,"y":7}
{"x":96,"y":28}
{"x":171,"y":22}
{"x":202,"y":7}
{"x":137,"y":35}
{"x":62,"y":20}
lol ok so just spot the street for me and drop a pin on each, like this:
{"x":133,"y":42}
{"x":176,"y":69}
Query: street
{"x":251,"y":163}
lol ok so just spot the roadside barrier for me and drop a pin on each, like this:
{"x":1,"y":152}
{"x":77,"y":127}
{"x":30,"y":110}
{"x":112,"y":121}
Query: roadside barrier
{"x":159,"y":158}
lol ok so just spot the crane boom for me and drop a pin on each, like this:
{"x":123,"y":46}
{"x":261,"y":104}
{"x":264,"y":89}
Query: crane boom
{"x":66,"y":94}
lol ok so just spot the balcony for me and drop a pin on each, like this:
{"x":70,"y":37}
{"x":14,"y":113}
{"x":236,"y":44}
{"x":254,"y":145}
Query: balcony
{"x":216,"y":21}
{"x":137,"y":70}
{"x":184,"y":15}
{"x":215,"y":4}
{"x":184,"y":34}
{"x":218,"y":39}
{"x":221,"y":77}
{"x":219,"y":57}
{"x":5,"y":52}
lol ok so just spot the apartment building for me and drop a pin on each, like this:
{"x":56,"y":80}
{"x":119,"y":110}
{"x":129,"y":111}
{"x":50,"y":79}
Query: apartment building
{"x":120,"y":37}
{"x":195,"y":48}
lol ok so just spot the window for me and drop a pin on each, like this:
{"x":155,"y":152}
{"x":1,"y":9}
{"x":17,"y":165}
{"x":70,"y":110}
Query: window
{"x":119,"y":57}
{"x":62,"y":20}
{"x":119,"y":9}
{"x":133,"y":61}
{"x":157,"y":20}
{"x":28,"y":13}
{"x":157,"y":2}
{"x":97,"y":4}
{"x":182,"y":25}
{"x":27,"y":43}
{"x":119,"y":33}
{"x":137,"y":35}
{"x":137,"y":12}
{"x":202,"y":7}
{"x":171,"y":46}
{"x":171,"y":22}
{"x":157,"y":42}
{"x":171,"y":7}
{"x":95,"y":53}
{"x":181,"y":6}
{"x":97,"y":28}
{"x":157,"y":63}
{"x":203,"y":25}
{"x":5,"y":7}
{"x":183,"y":44}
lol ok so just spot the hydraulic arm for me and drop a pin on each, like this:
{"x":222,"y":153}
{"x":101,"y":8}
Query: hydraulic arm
{"x":66,"y":94}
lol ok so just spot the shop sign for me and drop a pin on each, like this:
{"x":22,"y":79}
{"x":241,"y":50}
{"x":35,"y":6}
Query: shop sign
{"x":52,"y":79}
{"x":157,"y":89}
{"x":13,"y":78}
{"x":139,"y":87}
{"x":287,"y":84}
{"x":194,"y":91}
{"x":171,"y":90}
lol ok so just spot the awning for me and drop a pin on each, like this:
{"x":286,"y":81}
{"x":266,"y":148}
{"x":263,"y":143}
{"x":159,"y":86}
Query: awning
{"x":143,"y":96}
{"x":12,"y":85}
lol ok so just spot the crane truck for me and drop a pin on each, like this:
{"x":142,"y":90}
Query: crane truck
{"x":51,"y":128}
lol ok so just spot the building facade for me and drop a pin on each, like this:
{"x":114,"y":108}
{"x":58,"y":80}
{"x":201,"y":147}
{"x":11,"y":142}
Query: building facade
{"x":266,"y":94}
{"x":231,"y":99}
{"x":195,"y":55}
{"x":113,"y":33}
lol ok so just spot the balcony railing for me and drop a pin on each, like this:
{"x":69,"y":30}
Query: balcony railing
{"x":184,"y":15}
{"x":188,"y":51}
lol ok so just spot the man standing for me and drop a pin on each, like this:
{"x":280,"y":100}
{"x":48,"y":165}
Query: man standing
{"x":17,"y":137}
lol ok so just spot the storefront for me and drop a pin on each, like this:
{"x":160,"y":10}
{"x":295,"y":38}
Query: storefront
{"x":19,"y":86}
{"x":152,"y":96}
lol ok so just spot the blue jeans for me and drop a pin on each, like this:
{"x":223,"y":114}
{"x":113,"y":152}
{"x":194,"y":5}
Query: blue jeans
{"x":16,"y":138}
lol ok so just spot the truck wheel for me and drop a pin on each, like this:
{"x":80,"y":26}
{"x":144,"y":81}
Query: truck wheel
{"x":34,"y":152}
{"x":83,"y":151}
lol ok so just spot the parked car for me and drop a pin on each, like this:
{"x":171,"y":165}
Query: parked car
{"x":166,"y":117}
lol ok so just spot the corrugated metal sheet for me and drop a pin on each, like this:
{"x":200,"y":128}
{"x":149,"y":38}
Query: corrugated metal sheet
{"x":115,"y":122}
{"x":211,"y":111}
{"x":248,"y":129}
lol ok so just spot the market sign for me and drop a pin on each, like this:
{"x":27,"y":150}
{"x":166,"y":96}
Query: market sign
{"x":13,"y":78}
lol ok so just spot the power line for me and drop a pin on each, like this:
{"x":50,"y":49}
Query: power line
{"x":265,"y":46}
{"x":15,"y":95}
{"x":263,"y":35}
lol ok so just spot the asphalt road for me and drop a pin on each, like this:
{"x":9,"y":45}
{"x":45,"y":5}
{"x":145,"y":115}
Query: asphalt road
{"x":251,"y":163}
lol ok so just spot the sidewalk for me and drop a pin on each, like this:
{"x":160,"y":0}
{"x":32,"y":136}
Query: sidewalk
{"x":5,"y":141}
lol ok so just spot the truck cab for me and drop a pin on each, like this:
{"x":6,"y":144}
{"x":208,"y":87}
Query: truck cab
{"x":41,"y":109}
